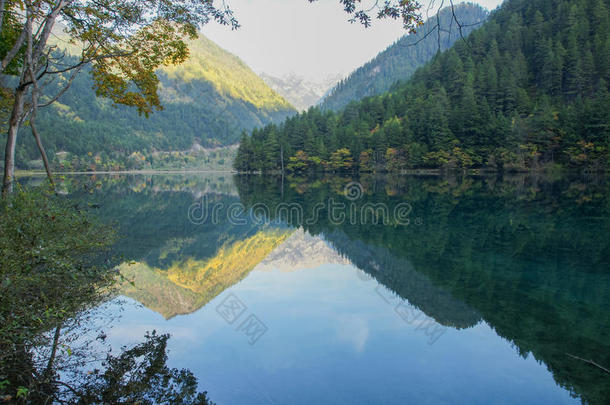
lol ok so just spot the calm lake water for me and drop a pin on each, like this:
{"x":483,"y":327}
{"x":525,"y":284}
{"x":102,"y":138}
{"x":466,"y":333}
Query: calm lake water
{"x":367,"y":290}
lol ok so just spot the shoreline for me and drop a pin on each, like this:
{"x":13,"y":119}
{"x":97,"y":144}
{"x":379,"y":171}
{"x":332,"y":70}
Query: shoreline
{"x":23,"y":173}
{"x":410,"y":172}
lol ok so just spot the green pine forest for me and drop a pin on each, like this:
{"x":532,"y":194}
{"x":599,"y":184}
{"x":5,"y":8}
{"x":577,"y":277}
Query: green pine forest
{"x":526,"y":91}
{"x":400,"y":60}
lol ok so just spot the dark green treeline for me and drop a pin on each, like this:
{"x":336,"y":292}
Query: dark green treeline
{"x":526,"y":91}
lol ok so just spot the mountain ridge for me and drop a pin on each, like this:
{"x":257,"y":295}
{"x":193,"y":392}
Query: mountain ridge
{"x":208,"y":101}
{"x":400,"y":60}
{"x":299,"y":91}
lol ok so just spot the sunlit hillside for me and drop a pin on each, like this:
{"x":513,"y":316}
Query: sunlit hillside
{"x":230,"y":76}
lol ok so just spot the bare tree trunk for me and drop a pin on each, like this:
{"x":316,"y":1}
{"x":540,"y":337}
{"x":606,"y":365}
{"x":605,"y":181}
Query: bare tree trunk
{"x":2,"y":4}
{"x":11,"y":141}
{"x":47,"y":387}
{"x":43,"y":154}
{"x":49,"y":368}
{"x":32,"y":68}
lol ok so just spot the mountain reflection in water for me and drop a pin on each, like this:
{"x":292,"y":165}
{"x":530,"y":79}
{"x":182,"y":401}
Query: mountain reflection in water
{"x":525,"y":259}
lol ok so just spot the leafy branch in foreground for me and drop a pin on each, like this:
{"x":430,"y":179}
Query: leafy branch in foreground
{"x":54,"y":272}
{"x":405,"y":10}
{"x":52,"y":269}
{"x":139,"y":375}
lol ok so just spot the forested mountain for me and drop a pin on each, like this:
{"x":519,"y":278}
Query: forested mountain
{"x":528,"y":90}
{"x":400,"y":60}
{"x":299,"y":91}
{"x":208,"y":101}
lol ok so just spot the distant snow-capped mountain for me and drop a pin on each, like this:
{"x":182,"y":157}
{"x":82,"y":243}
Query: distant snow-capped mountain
{"x":300,"y":92}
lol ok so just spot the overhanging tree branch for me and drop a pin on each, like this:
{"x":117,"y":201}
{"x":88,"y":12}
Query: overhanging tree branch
{"x":8,"y":58}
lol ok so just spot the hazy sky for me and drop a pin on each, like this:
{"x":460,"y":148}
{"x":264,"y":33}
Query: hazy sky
{"x":312,"y":40}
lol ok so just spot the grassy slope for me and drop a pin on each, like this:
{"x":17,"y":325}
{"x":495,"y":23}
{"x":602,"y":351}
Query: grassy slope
{"x":230,"y":76}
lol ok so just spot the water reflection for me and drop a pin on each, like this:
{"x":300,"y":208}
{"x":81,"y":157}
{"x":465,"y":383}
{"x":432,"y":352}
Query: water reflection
{"x":527,"y":255}
{"x":508,"y":273}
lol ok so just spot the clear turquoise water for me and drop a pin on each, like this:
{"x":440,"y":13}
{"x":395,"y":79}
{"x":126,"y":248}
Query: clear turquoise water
{"x":478,"y":299}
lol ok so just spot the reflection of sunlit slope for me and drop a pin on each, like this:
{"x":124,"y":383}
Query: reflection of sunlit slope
{"x":232,"y":262}
{"x":189,"y":284}
{"x":154,"y":290}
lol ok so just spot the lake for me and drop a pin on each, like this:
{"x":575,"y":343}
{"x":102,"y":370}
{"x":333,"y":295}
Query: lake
{"x":375,"y":289}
